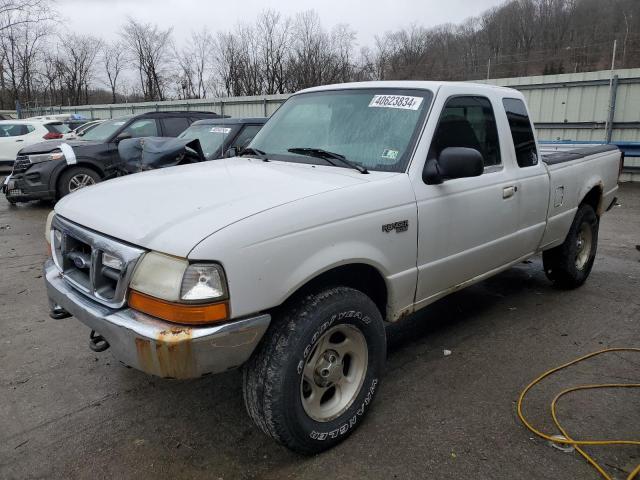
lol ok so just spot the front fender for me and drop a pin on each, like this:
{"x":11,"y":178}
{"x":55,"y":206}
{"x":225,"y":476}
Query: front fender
{"x":269,"y":256}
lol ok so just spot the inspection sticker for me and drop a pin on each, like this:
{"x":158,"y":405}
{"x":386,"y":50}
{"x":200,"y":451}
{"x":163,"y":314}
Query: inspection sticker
{"x":390,"y":154}
{"x":396,"y":101}
{"x":222,"y":130}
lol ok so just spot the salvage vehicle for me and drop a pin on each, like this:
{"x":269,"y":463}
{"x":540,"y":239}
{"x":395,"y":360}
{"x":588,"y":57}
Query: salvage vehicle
{"x":51,"y":170}
{"x":221,"y":137}
{"x":354,"y":206}
{"x":204,"y":140}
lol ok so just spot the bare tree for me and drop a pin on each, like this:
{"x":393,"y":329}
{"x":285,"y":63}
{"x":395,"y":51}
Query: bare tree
{"x":150,"y":49}
{"x":20,"y":45}
{"x":195,"y":62}
{"x":273,"y":32}
{"x":77,"y":56}
{"x":15,"y":13}
{"x":114,"y":61}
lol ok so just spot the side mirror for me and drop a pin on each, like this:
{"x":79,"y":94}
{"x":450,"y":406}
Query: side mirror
{"x":122,"y":136}
{"x":453,"y":162}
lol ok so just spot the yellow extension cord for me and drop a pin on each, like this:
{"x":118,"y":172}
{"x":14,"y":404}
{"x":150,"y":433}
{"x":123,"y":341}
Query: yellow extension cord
{"x":569,"y":440}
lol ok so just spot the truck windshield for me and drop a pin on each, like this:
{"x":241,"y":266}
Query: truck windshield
{"x":104,"y":131}
{"x":374,"y":128}
{"x":212,"y":137}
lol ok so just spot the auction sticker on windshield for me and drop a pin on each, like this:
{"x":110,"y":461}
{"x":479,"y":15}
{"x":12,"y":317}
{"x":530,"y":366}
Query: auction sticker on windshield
{"x":223,"y":130}
{"x":404,"y":102}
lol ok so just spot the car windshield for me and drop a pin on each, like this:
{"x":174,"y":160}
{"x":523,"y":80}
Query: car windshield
{"x":375,"y":128}
{"x":104,"y":131}
{"x":212,"y":137}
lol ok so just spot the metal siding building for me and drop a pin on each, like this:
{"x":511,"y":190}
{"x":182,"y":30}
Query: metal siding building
{"x":575,"y":107}
{"x":565,"y":107}
{"x":259,"y":106}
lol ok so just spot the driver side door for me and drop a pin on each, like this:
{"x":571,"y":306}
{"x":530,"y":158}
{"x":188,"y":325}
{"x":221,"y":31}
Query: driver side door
{"x":466,"y":225}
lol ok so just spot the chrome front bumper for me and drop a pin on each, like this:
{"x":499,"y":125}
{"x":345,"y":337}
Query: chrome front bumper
{"x":157,"y":347}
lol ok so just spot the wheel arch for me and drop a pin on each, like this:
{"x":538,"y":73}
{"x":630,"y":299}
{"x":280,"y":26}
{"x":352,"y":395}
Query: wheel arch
{"x":358,"y":275}
{"x":55,"y":179}
{"x":592,"y":195}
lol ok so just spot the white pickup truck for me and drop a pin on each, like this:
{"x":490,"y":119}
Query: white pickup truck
{"x":354,"y":206}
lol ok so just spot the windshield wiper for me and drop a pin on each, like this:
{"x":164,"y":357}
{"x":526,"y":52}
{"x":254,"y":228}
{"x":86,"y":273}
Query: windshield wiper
{"x":328,"y":156}
{"x":253,"y":151}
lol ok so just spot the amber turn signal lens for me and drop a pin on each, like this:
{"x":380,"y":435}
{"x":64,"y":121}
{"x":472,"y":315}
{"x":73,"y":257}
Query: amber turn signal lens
{"x":178,"y":312}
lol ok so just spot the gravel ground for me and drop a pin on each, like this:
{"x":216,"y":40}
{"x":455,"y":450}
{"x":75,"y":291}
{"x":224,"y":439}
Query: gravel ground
{"x":66,"y":412}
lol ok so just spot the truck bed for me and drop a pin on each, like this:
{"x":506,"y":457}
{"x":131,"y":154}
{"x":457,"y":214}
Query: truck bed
{"x":573,"y":173}
{"x":560,"y":153}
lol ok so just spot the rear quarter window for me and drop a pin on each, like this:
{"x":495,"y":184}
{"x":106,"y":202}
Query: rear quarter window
{"x":174,"y":126}
{"x":521,"y":132}
{"x":15,"y":130}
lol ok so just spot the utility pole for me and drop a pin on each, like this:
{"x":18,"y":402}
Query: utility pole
{"x":489,"y":68}
{"x":608,"y":127}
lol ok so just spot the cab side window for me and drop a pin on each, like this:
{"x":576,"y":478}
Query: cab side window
{"x":145,"y":127}
{"x":521,"y":132}
{"x":174,"y":126}
{"x":468,"y":121}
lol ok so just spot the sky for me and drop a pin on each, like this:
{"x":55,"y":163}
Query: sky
{"x":368,"y":18}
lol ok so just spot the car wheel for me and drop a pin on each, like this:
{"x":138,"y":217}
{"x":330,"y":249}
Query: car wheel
{"x":76,"y":178}
{"x":569,"y":264}
{"x":317,"y":370}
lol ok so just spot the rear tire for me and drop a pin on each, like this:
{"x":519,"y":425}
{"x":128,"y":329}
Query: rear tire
{"x":569,"y":265}
{"x":315,"y":374}
{"x":76,"y":178}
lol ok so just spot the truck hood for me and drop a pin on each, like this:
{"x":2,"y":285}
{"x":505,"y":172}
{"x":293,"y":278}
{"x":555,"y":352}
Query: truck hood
{"x":50,"y":145}
{"x":171,"y":210}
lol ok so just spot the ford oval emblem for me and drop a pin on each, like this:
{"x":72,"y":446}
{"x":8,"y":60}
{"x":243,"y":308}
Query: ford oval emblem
{"x":79,"y":262}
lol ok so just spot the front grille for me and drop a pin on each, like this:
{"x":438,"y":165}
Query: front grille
{"x":21,"y":164}
{"x":92,"y":263}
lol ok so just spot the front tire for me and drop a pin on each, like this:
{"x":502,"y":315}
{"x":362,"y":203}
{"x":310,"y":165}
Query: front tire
{"x":569,"y":265}
{"x":316,"y":372}
{"x":76,"y":178}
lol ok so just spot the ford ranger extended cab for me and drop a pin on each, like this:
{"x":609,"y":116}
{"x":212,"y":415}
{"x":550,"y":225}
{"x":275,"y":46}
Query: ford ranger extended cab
{"x":355,"y":205}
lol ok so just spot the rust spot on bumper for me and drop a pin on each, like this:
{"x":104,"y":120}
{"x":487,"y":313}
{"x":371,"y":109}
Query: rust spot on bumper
{"x":173,"y":348}
{"x":169,"y":355}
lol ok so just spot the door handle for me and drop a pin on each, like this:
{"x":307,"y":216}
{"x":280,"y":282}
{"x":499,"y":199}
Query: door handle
{"x":508,"y":192}
{"x":20,"y":140}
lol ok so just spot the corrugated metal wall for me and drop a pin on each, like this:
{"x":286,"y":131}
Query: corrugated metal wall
{"x":575,"y":106}
{"x":564,"y":107}
{"x":260,"y":106}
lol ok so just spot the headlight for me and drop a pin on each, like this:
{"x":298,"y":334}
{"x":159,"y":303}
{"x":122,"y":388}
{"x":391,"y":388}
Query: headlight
{"x":47,"y":226}
{"x":172,"y":289}
{"x":45,"y":157}
{"x":202,"y":282}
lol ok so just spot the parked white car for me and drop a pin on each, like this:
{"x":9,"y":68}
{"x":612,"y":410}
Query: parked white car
{"x":355,"y":205}
{"x":17,"y":134}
